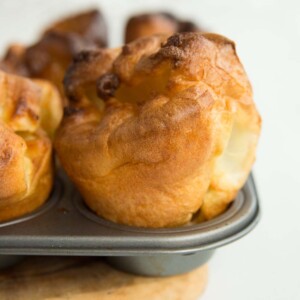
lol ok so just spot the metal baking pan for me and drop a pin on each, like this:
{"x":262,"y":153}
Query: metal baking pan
{"x":65,"y":226}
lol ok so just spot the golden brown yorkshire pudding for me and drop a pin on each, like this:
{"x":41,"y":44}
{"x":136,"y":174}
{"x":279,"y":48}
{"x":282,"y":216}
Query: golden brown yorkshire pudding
{"x":30,"y":112}
{"x":89,"y":26}
{"x":52,"y":54}
{"x":156,"y":23}
{"x":172,"y":132}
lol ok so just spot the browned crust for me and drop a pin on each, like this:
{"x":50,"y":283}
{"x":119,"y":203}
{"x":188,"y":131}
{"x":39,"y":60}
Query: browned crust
{"x":87,"y":67}
{"x":26,"y":174}
{"x":89,"y":25}
{"x":176,"y":134}
{"x":143,"y":25}
{"x":50,"y":56}
{"x":29,"y":115}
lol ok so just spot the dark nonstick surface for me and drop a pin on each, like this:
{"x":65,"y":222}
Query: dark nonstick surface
{"x":65,"y":226}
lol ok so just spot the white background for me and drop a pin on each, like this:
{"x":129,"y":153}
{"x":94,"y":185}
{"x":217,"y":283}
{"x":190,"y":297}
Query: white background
{"x":266,"y":263}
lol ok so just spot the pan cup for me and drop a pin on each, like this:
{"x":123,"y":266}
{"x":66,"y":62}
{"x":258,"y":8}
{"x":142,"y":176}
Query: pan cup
{"x":171,"y":251}
{"x":10,"y":260}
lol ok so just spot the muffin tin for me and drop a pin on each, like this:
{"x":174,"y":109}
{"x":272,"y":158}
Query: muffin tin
{"x":65,"y":226}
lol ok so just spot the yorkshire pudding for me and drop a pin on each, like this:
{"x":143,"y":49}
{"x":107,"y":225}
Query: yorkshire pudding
{"x":156,"y":23}
{"x":30,"y":111}
{"x":51,"y":55}
{"x":160,"y":129}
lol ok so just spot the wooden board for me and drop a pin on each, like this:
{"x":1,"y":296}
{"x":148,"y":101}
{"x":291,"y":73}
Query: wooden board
{"x":62,"y":278}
